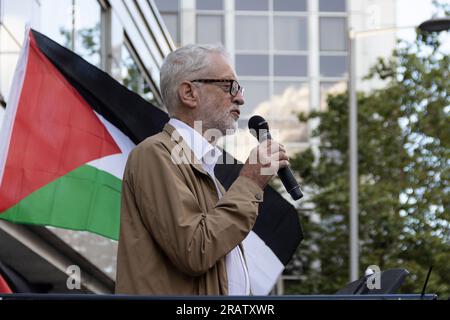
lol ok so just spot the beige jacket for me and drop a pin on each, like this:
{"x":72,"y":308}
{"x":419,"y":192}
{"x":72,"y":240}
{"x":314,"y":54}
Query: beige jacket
{"x":174,"y":231}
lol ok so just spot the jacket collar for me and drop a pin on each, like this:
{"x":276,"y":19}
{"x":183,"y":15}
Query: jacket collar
{"x":203,"y":150}
{"x":187,"y":155}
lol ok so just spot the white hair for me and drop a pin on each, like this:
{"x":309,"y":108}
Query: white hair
{"x":185,"y":63}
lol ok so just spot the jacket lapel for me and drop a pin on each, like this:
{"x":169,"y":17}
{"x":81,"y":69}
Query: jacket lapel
{"x":188,"y":153}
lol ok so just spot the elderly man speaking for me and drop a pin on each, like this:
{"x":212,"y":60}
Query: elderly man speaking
{"x":181,"y":232}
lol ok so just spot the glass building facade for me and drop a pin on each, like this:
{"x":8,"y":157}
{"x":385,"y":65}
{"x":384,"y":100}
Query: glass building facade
{"x":288,"y":54}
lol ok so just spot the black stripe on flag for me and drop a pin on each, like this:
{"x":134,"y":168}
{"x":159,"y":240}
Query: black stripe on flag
{"x":126,"y":110}
{"x":277,"y":224}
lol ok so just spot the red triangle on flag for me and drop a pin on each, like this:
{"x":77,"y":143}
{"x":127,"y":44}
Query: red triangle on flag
{"x":54,"y":131}
{"x":4,"y":287}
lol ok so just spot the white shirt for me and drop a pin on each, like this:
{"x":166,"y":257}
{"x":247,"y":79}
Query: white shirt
{"x":237,"y":272}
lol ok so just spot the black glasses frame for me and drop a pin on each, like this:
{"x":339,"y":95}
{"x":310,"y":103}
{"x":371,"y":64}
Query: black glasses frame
{"x":235,"y":87}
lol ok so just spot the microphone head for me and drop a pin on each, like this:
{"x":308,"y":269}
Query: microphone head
{"x":259,"y":126}
{"x":258,"y":123}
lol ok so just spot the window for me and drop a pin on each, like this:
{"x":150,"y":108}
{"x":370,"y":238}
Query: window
{"x":258,"y":5}
{"x":289,"y":5}
{"x":15,"y":14}
{"x":133,"y":78}
{"x":289,"y":130}
{"x":256,"y":91}
{"x":167,"y":5}
{"x":333,"y":66}
{"x":252,"y":65}
{"x":282,"y":87}
{"x":290,"y":33}
{"x":290,"y":65}
{"x":88,"y":30}
{"x":252,"y":33}
{"x":333,"y":34}
{"x":171,"y":22}
{"x":78,"y":30}
{"x":210,"y":29}
{"x":56,"y":17}
{"x":209,"y":5}
{"x":148,"y":94}
{"x":131,"y":75}
{"x":169,"y":10}
{"x":327,"y":88}
{"x":9,"y":54}
{"x":332,"y":5}
{"x":13,"y":17}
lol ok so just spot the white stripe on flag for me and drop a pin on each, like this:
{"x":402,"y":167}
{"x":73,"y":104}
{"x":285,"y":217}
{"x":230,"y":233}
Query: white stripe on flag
{"x":263,"y":265}
{"x":114,"y":164}
{"x":13,"y":101}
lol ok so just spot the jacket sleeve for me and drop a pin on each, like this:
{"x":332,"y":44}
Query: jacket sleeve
{"x":193,"y":240}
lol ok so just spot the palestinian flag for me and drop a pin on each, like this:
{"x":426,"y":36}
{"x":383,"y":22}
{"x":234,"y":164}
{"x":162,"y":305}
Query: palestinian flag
{"x":66,"y":136}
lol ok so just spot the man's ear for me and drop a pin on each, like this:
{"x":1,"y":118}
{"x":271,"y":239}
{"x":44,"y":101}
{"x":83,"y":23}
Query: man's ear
{"x":188,"y":94}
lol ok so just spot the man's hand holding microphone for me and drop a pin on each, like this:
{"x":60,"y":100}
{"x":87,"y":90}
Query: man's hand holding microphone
{"x":267,"y":159}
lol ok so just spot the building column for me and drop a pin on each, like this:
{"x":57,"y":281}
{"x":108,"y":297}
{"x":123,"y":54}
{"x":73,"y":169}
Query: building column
{"x":313,"y":69}
{"x":229,"y":29}
{"x":187,"y":22}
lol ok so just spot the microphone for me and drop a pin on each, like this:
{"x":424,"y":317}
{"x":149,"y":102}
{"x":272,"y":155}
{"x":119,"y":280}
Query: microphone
{"x":260,"y":129}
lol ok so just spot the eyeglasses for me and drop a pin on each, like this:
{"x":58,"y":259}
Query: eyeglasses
{"x":235,"y":87}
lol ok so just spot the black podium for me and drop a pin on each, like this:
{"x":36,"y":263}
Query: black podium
{"x":389,"y":282}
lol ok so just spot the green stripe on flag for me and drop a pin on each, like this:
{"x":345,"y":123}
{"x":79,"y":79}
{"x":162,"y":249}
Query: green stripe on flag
{"x":85,"y":199}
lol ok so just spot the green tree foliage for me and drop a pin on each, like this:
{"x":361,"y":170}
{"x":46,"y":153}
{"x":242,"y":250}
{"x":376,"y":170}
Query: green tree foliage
{"x":404,"y":173}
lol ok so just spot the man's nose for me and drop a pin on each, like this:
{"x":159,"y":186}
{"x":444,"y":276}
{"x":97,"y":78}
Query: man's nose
{"x":239,"y":98}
